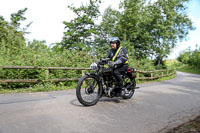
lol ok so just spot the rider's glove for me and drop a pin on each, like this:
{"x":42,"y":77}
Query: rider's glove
{"x":112,"y":64}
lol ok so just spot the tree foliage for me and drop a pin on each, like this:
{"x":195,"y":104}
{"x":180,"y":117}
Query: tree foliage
{"x":190,"y":57}
{"x":11,"y":35}
{"x":152,"y":28}
{"x":82,"y":29}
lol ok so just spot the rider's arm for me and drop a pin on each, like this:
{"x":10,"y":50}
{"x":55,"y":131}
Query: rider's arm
{"x":109,"y":54}
{"x":122,"y":56}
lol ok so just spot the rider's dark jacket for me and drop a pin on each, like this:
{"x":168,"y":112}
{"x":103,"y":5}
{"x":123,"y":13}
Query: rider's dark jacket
{"x":121,"y":57}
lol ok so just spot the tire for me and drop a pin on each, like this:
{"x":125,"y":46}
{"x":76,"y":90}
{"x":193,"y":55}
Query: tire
{"x":131,"y":89}
{"x":88,"y":84}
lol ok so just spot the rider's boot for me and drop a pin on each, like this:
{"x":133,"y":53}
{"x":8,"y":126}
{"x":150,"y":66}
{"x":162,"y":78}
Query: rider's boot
{"x":109,"y":91}
{"x":123,"y":92}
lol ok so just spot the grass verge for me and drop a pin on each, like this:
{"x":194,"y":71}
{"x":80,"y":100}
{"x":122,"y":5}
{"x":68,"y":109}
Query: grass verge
{"x":38,"y":88}
{"x":157,"y":80}
{"x":189,"y":69}
{"x":192,"y":126}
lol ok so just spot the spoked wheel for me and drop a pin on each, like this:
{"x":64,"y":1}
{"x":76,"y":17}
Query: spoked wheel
{"x":88,"y":90}
{"x":131,"y":84}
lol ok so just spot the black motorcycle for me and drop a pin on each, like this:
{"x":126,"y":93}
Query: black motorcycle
{"x":92,"y":86}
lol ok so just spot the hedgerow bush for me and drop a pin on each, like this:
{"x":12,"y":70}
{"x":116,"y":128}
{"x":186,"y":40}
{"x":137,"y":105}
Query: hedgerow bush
{"x":38,"y":54}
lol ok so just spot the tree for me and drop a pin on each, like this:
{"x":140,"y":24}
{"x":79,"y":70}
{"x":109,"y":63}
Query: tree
{"x":110,"y":22}
{"x":172,"y":24}
{"x":190,"y":57}
{"x":152,"y":28}
{"x":11,"y":34}
{"x":106,"y":29}
{"x":81,"y":30}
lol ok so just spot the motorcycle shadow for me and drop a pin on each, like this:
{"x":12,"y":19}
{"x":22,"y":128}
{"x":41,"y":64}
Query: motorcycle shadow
{"x":76,"y":103}
{"x":113,"y":99}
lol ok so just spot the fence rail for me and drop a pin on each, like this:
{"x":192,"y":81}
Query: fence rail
{"x":153,"y":74}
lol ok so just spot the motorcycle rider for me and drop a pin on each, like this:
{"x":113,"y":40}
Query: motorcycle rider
{"x":119,"y":57}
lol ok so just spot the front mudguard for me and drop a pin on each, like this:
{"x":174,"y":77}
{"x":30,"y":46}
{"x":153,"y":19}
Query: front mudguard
{"x":97,"y":78}
{"x":93,"y":75}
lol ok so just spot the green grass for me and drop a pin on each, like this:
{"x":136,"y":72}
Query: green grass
{"x":157,"y":80}
{"x":190,"y":69}
{"x":38,"y":88}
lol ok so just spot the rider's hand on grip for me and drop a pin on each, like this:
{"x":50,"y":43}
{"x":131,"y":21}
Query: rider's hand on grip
{"x":112,"y":64}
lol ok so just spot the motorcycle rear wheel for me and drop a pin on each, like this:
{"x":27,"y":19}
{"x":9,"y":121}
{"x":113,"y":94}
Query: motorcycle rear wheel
{"x":88,"y":90}
{"x":131,"y":89}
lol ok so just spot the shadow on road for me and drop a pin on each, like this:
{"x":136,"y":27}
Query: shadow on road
{"x":113,"y":100}
{"x":75,"y":102}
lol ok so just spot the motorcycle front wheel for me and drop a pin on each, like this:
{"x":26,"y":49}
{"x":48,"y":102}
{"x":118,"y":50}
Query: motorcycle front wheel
{"x":88,"y":90}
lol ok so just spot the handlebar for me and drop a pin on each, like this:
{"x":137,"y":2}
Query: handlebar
{"x":105,"y":59}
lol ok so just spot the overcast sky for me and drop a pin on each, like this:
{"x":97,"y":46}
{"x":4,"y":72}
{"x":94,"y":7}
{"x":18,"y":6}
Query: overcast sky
{"x":47,"y":17}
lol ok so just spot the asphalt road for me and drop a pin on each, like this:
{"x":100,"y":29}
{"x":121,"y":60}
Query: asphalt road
{"x":155,"y":107}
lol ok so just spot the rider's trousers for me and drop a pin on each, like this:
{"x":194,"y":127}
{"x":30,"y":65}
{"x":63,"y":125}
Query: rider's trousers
{"x":118,"y":72}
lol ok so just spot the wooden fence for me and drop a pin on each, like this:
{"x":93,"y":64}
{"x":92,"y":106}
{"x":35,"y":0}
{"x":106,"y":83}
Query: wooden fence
{"x":153,"y":74}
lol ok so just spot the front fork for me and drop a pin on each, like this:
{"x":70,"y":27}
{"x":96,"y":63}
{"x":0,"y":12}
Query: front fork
{"x":99,"y":82}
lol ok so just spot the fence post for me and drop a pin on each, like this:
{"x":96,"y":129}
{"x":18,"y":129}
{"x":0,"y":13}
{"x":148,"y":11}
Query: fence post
{"x":46,"y":74}
{"x":138,"y":74}
{"x":83,"y":72}
{"x":152,"y":74}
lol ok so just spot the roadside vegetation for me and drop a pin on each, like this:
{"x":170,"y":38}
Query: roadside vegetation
{"x":148,"y":30}
{"x":192,"y":126}
{"x":190,"y":60}
{"x":189,"y":69}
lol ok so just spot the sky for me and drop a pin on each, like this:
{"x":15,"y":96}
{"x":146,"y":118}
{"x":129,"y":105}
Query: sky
{"x":48,"y":16}
{"x":194,"y":36}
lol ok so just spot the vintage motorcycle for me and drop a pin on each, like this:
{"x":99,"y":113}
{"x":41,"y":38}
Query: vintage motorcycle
{"x":92,"y":86}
